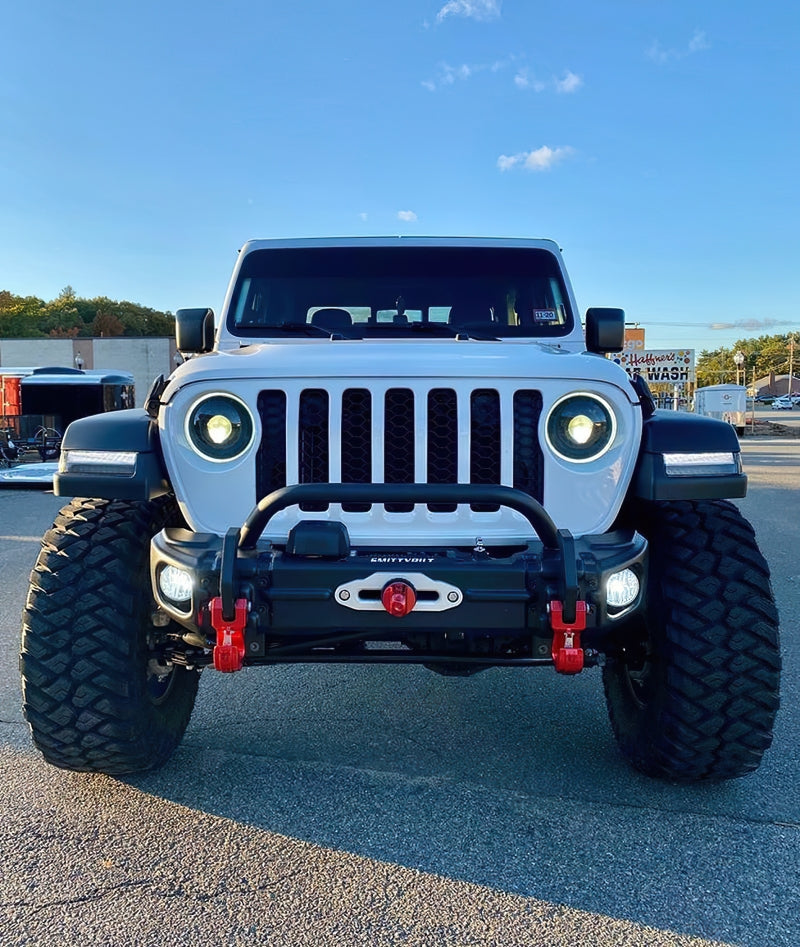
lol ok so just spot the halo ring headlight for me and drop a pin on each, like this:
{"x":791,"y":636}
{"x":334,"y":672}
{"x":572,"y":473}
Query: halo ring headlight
{"x":580,"y":427}
{"x":219,"y":427}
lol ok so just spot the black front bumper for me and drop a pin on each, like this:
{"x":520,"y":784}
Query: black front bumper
{"x":317,"y":598}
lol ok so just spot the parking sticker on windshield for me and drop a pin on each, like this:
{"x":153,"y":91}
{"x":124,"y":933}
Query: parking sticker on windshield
{"x":545,"y":315}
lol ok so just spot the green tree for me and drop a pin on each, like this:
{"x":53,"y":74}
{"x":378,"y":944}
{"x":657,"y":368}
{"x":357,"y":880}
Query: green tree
{"x":768,"y":353}
{"x":70,"y":315}
{"x":20,"y":317}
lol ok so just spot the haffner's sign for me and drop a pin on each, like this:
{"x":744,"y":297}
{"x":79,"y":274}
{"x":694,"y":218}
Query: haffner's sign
{"x":659,"y":365}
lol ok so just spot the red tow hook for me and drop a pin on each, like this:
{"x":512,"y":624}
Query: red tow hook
{"x":567,"y":651}
{"x":229,"y":649}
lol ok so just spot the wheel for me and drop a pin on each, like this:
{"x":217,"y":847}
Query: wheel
{"x":692,"y":690}
{"x":9,"y":453}
{"x":47,"y":441}
{"x":97,"y":693}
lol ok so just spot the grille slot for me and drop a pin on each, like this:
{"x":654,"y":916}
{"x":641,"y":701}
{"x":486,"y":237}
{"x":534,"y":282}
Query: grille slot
{"x":398,"y":442}
{"x":442,"y":442}
{"x":485,"y":438}
{"x":313,"y":442}
{"x":528,"y":457}
{"x":271,"y":456}
{"x":383,"y":429}
{"x":356,"y":442}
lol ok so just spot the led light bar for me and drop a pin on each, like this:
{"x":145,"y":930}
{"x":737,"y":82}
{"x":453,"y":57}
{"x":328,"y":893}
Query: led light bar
{"x":115,"y":463}
{"x":709,"y":464}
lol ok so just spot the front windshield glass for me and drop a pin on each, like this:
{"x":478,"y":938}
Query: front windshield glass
{"x":369,"y":292}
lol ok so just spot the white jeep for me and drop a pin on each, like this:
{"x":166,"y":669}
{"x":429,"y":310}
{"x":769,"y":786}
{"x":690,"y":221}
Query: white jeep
{"x":401,"y":450}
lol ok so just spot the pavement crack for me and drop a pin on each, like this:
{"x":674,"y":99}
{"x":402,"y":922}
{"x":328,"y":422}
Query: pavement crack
{"x":96,"y":895}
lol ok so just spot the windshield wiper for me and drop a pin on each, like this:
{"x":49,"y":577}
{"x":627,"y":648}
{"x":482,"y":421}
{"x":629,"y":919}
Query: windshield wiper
{"x":458,"y":332}
{"x":308,"y":329}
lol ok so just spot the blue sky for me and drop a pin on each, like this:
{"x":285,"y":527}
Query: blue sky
{"x":142,"y":143}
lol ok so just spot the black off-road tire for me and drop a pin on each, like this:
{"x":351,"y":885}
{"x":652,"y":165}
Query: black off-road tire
{"x":97,"y":695}
{"x":693,"y":693}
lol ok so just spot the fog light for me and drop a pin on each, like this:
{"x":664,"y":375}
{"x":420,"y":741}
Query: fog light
{"x":622,"y":589}
{"x":175,"y":584}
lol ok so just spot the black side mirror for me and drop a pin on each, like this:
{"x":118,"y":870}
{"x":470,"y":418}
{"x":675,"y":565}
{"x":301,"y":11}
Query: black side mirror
{"x":194,"y":331}
{"x":605,"y":330}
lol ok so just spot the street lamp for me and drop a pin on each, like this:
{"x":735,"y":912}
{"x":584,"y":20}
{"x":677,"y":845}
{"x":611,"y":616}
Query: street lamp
{"x":738,"y":358}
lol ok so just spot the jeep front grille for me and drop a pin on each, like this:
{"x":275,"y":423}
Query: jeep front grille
{"x":399,"y":435}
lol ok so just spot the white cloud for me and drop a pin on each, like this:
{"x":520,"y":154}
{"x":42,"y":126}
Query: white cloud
{"x":407,"y":215}
{"x":474,"y":9}
{"x":457,"y":72}
{"x":542,"y":159}
{"x":696,"y":44}
{"x":449,"y":75}
{"x":751,"y":325}
{"x":524,"y":79}
{"x":570,"y":83}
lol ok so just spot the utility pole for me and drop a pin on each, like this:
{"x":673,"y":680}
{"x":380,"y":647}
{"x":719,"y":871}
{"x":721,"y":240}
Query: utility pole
{"x":791,"y":364}
{"x":738,"y":359}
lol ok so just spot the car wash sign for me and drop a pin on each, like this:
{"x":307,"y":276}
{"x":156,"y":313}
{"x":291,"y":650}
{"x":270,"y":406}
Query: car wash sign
{"x":659,"y":365}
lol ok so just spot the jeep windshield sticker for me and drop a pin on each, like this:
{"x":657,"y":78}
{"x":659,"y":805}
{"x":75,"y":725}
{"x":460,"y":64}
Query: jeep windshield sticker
{"x":545,"y":315}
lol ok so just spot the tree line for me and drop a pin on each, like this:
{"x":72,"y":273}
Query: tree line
{"x":69,"y":316}
{"x":779,"y":354}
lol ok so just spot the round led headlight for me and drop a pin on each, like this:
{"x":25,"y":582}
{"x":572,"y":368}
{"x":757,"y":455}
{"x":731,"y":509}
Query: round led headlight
{"x":220,"y":427}
{"x":580,"y":427}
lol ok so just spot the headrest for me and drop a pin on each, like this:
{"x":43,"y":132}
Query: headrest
{"x":332,"y":318}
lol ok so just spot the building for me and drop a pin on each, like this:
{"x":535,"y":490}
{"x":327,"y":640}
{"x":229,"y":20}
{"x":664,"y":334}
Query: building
{"x":145,"y":358}
{"x":774,"y":385}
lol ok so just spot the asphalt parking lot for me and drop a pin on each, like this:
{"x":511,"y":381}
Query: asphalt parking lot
{"x":346,"y":805}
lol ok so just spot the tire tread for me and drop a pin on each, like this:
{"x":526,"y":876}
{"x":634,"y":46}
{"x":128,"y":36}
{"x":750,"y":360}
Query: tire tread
{"x":83,"y":651}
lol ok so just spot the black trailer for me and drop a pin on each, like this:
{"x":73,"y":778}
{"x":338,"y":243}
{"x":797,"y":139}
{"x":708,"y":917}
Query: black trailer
{"x":47,"y":400}
{"x":72,"y":393}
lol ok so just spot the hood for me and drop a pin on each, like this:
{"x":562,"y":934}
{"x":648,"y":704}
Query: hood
{"x":527,"y":359}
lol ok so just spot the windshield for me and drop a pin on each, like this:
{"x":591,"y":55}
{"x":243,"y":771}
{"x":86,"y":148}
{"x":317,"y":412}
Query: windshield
{"x":368,"y":292}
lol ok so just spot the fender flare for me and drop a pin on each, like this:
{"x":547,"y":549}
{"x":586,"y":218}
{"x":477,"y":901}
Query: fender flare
{"x":130,"y":430}
{"x":679,"y":432}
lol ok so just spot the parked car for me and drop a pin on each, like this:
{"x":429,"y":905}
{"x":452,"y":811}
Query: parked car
{"x":784,"y":403}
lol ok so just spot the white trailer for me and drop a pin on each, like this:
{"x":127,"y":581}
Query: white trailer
{"x":726,"y":402}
